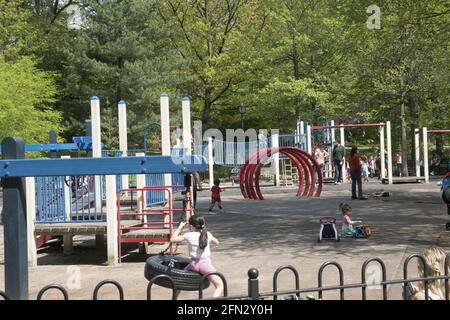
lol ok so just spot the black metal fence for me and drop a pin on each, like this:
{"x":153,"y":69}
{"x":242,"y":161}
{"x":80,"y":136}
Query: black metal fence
{"x":294,"y":294}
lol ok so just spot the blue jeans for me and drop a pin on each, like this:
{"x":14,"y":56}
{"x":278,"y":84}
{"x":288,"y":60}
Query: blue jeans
{"x":400,"y":169}
{"x":337,"y":171}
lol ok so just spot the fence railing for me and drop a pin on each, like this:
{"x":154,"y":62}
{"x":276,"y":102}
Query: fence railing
{"x":295,"y":293}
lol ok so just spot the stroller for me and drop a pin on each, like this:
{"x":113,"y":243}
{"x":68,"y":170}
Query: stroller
{"x":328,"y":229}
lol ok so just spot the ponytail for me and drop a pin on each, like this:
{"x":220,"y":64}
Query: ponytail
{"x":198,"y":223}
{"x":203,"y":240}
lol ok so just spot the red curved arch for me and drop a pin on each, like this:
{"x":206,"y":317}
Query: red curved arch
{"x":307,"y":167}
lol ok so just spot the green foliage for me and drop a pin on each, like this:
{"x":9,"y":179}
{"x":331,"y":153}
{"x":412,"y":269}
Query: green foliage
{"x":25,"y":96}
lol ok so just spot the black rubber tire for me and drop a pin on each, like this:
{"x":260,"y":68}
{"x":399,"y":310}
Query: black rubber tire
{"x":184,"y":279}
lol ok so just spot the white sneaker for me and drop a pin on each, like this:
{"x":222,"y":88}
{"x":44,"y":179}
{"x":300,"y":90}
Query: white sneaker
{"x":339,"y":183}
{"x":335,"y":183}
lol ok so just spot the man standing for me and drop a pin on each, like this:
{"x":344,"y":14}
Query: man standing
{"x":338,"y":157}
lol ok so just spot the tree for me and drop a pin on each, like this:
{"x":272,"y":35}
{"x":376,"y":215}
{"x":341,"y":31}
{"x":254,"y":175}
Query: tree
{"x":26,"y":112}
{"x":121,"y":52}
{"x":210,"y":40}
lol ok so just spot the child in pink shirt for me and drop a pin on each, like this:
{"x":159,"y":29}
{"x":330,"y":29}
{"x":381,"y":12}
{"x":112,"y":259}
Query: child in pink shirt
{"x":347,"y":223}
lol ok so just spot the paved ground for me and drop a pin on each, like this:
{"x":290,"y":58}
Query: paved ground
{"x":267,"y":234}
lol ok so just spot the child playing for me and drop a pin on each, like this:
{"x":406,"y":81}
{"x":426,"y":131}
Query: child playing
{"x":199,"y":240}
{"x":364,"y":169}
{"x":347,"y":223}
{"x":215,"y":195}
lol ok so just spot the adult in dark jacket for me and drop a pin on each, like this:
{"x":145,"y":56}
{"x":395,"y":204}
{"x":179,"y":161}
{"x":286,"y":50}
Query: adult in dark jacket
{"x":338,"y":158}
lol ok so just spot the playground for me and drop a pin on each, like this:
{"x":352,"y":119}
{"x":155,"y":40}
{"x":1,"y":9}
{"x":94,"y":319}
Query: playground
{"x":265,"y":235}
{"x":101,"y":217}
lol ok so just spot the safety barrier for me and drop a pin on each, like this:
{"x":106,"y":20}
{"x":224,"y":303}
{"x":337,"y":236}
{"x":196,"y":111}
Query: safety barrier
{"x":254,"y":293}
{"x":54,"y":206}
{"x":66,"y":199}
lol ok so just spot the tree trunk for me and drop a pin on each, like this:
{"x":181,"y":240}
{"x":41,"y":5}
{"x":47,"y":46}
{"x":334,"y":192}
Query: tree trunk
{"x":298,"y":99}
{"x":439,"y":144}
{"x":413,"y":104}
{"x":206,"y":107}
{"x":404,"y":137}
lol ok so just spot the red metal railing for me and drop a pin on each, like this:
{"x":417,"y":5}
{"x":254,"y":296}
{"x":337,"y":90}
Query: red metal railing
{"x":152,"y":225}
{"x":356,"y":125}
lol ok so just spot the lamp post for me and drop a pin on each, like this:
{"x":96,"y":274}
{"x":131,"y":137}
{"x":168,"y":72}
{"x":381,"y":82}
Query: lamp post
{"x":242,"y":111}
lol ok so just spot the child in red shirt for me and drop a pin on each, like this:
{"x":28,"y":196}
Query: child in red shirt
{"x":215,"y":195}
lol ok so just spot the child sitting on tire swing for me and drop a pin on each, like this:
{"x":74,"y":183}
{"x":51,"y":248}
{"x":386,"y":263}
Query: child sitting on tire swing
{"x":199,"y":240}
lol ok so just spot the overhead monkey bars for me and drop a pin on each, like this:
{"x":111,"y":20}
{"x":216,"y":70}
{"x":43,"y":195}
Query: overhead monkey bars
{"x":383,"y":127}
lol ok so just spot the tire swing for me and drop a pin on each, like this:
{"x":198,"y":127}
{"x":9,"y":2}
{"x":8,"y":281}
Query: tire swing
{"x":173,"y":266}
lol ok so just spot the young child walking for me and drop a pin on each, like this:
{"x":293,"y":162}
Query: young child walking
{"x":347,"y":223}
{"x":199,"y":241}
{"x":364,"y":169}
{"x":215,"y":195}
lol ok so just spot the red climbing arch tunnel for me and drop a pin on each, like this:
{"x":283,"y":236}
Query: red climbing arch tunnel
{"x":307,"y":168}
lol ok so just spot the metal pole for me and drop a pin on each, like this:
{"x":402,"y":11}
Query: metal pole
{"x":426,"y":170}
{"x":123,"y":136}
{"x":417,"y":150}
{"x":165,"y":133}
{"x":389,"y":151}
{"x":96,"y":149}
{"x":253,"y":284}
{"x":210,"y":163}
{"x":15,"y":225}
{"x":382,"y":155}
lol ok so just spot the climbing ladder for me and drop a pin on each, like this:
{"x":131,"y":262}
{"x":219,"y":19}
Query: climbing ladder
{"x":289,"y":172}
{"x":151,"y":225}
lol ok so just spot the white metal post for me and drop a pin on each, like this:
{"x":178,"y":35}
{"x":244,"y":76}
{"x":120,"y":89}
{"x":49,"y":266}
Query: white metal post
{"x":330,"y":160}
{"x":389,"y":151}
{"x":382,"y":154}
{"x":67,"y":196}
{"x":276,"y":159}
{"x":165,"y":133}
{"x":30,"y":194}
{"x":111,"y":220}
{"x":187,"y":140}
{"x":96,"y":148}
{"x":297,"y":132}
{"x":123,"y":137}
{"x":417,"y":150}
{"x":187,"y":135}
{"x":308,"y":139}
{"x":210,"y":163}
{"x":140,"y":183}
{"x":342,"y":138}
{"x":426,"y":170}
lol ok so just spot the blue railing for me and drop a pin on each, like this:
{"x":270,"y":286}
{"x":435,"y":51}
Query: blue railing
{"x":53,"y":205}
{"x":50,"y":200}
